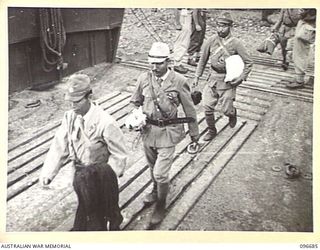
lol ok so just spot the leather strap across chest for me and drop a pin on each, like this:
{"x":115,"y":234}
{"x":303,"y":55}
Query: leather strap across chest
{"x":165,"y":121}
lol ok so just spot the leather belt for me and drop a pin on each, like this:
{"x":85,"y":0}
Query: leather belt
{"x":166,"y":122}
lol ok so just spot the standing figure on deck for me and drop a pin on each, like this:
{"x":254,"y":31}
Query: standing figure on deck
{"x":176,"y":13}
{"x":160,"y":91}
{"x":92,"y":139}
{"x":182,"y":41}
{"x":198,"y":31}
{"x":304,"y":37}
{"x":218,"y":48}
{"x":285,"y":27}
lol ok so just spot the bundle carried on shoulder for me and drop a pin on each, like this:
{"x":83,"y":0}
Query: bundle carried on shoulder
{"x":305,"y":32}
{"x":269,"y":44}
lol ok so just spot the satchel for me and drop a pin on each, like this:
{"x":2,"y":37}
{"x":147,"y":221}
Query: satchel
{"x":305,"y":32}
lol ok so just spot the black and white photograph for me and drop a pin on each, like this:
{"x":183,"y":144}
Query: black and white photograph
{"x":161,"y":119}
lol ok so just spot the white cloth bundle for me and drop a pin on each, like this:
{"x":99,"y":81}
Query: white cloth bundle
{"x":234,"y":67}
{"x":136,"y":119}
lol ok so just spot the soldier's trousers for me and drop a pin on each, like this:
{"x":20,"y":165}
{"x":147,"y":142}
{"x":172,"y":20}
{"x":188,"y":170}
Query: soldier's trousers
{"x":160,"y":161}
{"x":197,"y":37}
{"x":98,"y":196}
{"x":212,"y":96}
{"x":182,"y":41}
{"x":301,"y":56}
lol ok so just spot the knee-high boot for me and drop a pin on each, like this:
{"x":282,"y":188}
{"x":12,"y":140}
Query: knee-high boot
{"x":212,"y":131}
{"x":153,"y":195}
{"x":160,"y":208}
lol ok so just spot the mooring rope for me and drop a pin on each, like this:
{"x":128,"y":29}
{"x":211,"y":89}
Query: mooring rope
{"x":52,"y":38}
{"x":151,"y":30}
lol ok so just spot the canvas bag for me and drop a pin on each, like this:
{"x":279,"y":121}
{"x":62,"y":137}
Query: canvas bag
{"x":305,"y":32}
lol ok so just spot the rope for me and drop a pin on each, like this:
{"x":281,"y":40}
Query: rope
{"x":157,"y":37}
{"x":150,"y":24}
{"x":52,"y":38}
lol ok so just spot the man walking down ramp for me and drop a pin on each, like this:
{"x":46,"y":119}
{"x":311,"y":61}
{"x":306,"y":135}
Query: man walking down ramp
{"x":92,"y":139}
{"x":160,"y":91}
{"x":218,"y":48}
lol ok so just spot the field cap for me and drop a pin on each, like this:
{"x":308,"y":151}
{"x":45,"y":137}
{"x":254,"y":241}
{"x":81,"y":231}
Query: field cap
{"x":158,"y":53}
{"x":78,"y":87}
{"x":225,"y":17}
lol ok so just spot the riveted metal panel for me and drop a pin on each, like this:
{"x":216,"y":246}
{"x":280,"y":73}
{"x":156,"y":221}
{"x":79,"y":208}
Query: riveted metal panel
{"x":92,"y":37}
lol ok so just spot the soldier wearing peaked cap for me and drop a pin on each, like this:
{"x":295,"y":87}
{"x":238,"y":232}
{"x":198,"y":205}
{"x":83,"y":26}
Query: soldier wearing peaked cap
{"x":160,"y":91}
{"x":216,"y":49}
{"x":92,"y":139}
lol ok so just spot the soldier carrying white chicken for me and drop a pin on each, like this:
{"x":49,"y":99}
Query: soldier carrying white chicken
{"x":160,"y":91}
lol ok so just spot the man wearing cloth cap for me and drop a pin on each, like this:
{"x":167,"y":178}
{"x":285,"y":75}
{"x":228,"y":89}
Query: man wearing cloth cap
{"x":92,"y":139}
{"x":217,"y":48}
{"x":160,"y":91}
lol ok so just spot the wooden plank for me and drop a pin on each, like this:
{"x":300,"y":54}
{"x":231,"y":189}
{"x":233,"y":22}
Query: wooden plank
{"x":194,"y":192}
{"x":115,"y":101}
{"x":278,"y":85}
{"x":137,"y":172}
{"x":47,"y":128}
{"x":130,"y":175}
{"x":274,"y":62}
{"x":28,"y":166}
{"x":248,"y":115}
{"x":48,"y":134}
{"x":30,"y":206}
{"x":24,"y":177}
{"x":250,"y":108}
{"x":271,"y":86}
{"x":192,"y":169}
{"x":130,"y":190}
{"x":306,"y":98}
{"x":243,"y":85}
{"x":243,"y":113}
{"x":257,"y":95}
{"x":119,"y":99}
{"x":51,"y":202}
{"x":252,"y":101}
{"x":29,"y":153}
{"x":178,"y":165}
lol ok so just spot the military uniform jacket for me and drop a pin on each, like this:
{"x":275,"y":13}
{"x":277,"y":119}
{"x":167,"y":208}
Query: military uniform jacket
{"x":216,"y":53}
{"x":172,"y":92}
{"x":101,"y":141}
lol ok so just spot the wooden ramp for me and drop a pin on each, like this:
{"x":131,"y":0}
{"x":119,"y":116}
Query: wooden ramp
{"x":32,"y":208}
{"x":265,"y":78}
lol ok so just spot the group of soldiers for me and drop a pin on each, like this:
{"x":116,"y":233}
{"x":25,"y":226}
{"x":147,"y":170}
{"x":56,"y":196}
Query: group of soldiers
{"x":94,"y":142}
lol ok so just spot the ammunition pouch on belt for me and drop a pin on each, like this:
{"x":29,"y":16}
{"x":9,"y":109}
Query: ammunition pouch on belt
{"x":166,"y":122}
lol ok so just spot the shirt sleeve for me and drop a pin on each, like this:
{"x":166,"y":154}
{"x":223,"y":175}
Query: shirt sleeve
{"x":188,"y":108}
{"x":137,"y":97}
{"x":58,"y":152}
{"x":116,"y":144}
{"x":205,"y":53}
